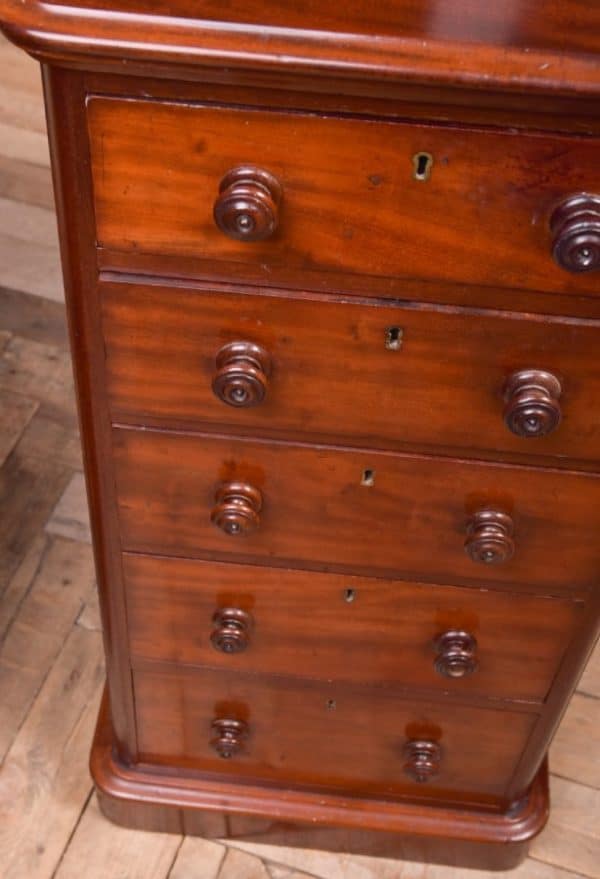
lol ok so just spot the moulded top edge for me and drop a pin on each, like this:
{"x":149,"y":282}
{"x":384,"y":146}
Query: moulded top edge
{"x":454,"y":43}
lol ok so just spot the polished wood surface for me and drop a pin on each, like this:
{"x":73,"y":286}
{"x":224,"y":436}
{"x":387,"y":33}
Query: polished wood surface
{"x":65,"y":98}
{"x":339,"y":737}
{"x":575,"y":225}
{"x":175,"y":613}
{"x":232,"y":629}
{"x":532,"y":403}
{"x":566,"y":26}
{"x":489,"y":539}
{"x":247,"y":206}
{"x":526,"y":49}
{"x":428,"y":831}
{"x":320,"y":510}
{"x":424,"y":376}
{"x":242,"y":372}
{"x":350,"y":201}
{"x":377,"y":164}
{"x":237,"y":508}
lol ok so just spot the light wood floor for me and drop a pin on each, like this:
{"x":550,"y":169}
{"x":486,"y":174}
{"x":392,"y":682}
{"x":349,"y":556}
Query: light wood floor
{"x":50,"y":649}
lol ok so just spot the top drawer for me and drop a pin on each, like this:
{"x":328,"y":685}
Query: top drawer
{"x":349,"y":202}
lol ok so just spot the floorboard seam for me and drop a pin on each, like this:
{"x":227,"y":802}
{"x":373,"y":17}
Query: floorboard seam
{"x":72,"y":833}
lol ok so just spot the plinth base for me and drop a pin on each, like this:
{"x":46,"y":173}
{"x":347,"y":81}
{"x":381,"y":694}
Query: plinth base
{"x":166,"y":800}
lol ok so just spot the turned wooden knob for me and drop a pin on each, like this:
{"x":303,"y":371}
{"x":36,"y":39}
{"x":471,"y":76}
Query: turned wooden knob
{"x":532,"y":408}
{"x":232,"y":628}
{"x":422,"y":759}
{"x":229,"y":736}
{"x":575,"y":227}
{"x":247,"y":206}
{"x":237,"y":508}
{"x":242,"y":374}
{"x":489,"y":537}
{"x":456,"y":654}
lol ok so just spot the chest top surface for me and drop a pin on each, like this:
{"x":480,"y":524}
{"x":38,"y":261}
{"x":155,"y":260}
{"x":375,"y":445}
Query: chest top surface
{"x":520,"y":45}
{"x":565,"y":26}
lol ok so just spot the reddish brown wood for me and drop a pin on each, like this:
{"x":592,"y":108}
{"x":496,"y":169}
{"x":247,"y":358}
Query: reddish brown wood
{"x":336,"y":94}
{"x":532,"y":403}
{"x":232,"y":629}
{"x":412,"y":830}
{"x":341,"y":179}
{"x":456,"y":654}
{"x":320,"y":510}
{"x":172,"y":603}
{"x":229,"y":737}
{"x":237,"y":508}
{"x":338,"y":737}
{"x":445,"y":45}
{"x":246,"y":208}
{"x":575,"y":225}
{"x":242,"y":373}
{"x":337,"y":104}
{"x":422,"y":759}
{"x":162,"y":342}
{"x":65,"y":103}
{"x":490,"y":537}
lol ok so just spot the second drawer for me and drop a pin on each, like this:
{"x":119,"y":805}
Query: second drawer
{"x":377,"y":375}
{"x":345,"y":628}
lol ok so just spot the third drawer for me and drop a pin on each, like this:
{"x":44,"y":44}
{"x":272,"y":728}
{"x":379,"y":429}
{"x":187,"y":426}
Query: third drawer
{"x":337,"y":627}
{"x":357,"y":511}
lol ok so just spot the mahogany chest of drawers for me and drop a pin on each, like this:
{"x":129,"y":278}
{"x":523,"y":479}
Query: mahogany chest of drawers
{"x":334,"y":303}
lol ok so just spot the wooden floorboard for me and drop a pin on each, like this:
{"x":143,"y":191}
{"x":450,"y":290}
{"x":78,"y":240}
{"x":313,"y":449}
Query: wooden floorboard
{"x":51,"y":665}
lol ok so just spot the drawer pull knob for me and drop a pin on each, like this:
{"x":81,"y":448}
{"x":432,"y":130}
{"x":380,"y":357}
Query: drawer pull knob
{"x":247,"y":207}
{"x":422,"y":759}
{"x":575,"y":227}
{"x":456,"y":654}
{"x":489,"y":537}
{"x":229,"y":736}
{"x":242,"y":374}
{"x":532,"y":402}
{"x":232,"y":628}
{"x":237,"y":508}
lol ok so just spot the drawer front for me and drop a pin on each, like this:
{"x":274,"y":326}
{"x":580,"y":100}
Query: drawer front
{"x":367,"y":512}
{"x":375,"y":375}
{"x":334,"y":736}
{"x":349,"y":202}
{"x":344,"y":628}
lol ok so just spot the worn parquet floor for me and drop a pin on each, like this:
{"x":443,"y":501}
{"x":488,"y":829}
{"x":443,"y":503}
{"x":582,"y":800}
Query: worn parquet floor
{"x":51,"y":669}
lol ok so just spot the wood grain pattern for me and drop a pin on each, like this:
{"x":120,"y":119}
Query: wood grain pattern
{"x":439,"y":46}
{"x":350,"y":202}
{"x":400,"y":829}
{"x":318,"y":513}
{"x":345,"y":628}
{"x":330,"y":735}
{"x":65,"y":101}
{"x":100,"y":849}
{"x":444,"y":383}
{"x":46,"y":774}
{"x":34,"y":639}
{"x":45,"y":770}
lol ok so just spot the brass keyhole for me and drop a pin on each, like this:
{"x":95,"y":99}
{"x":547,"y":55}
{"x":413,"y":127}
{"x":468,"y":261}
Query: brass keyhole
{"x":422,"y":164}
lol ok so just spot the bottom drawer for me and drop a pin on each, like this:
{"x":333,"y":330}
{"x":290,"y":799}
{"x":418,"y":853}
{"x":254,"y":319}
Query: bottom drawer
{"x":303,"y":733}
